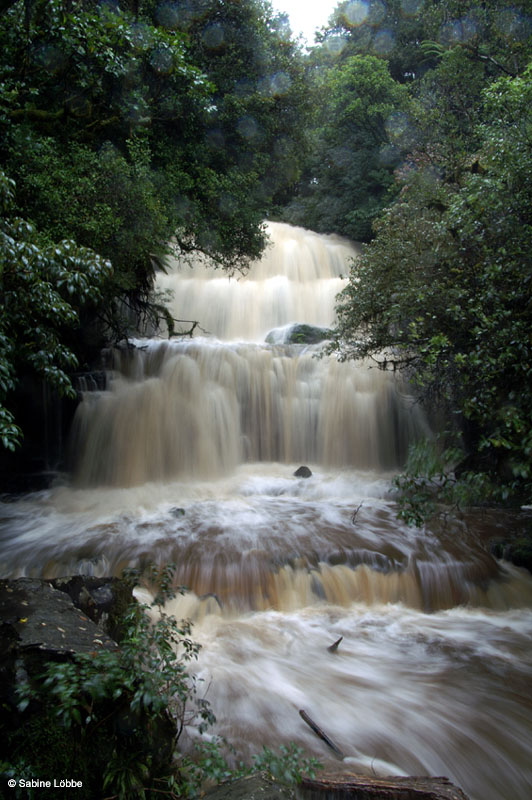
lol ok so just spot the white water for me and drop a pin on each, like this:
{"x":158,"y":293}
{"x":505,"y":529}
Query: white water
{"x":433,"y":675}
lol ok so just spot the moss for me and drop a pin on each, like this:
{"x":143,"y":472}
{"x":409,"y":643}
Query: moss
{"x":41,"y":747}
{"x":517,"y":550}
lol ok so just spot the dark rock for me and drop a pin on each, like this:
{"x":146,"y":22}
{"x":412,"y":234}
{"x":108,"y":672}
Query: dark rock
{"x":103,"y":600}
{"x":516,"y":549}
{"x":39,"y":625}
{"x":298,"y":334}
{"x":252,"y":787}
{"x":307,"y":334}
{"x":358,"y":787}
{"x":177,"y":512}
{"x":36,"y":616}
{"x":303,"y":472}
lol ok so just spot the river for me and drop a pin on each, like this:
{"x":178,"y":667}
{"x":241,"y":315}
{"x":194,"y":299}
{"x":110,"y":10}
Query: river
{"x":189,"y":456}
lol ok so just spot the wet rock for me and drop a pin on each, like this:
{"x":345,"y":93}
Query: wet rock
{"x":307,"y":334}
{"x":177,"y":512}
{"x":103,"y":600}
{"x":299,"y":333}
{"x":338,"y":787}
{"x":357,"y":787}
{"x":517,"y":550}
{"x":252,"y":787}
{"x":38,"y":617}
{"x":303,"y":472}
{"x":40,"y":624}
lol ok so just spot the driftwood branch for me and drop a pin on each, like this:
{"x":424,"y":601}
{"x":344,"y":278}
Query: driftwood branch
{"x":194,"y":324}
{"x":323,"y":736}
{"x":355,"y":512}
{"x":334,"y":647}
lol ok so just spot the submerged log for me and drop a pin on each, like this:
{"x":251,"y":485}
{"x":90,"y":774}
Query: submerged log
{"x":358,"y":787}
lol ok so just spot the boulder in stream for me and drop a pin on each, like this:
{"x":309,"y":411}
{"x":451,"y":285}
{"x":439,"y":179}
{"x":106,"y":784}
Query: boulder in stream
{"x":300,"y":333}
{"x":303,"y":472}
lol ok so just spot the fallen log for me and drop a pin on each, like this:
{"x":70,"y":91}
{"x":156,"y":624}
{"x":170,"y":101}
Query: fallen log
{"x":323,"y":736}
{"x":359,"y":787}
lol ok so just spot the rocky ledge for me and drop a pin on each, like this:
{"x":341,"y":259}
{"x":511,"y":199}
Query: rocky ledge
{"x":43,"y":621}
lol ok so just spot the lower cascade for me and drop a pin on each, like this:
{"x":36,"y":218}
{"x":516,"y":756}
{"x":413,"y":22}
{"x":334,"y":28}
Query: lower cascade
{"x":189,"y":455}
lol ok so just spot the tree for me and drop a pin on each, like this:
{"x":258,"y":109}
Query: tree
{"x":41,"y":284}
{"x":445,"y":290}
{"x":260,"y":106}
{"x":366,"y":129}
{"x":391,"y":31}
{"x":135,"y":129}
{"x":120,"y":139}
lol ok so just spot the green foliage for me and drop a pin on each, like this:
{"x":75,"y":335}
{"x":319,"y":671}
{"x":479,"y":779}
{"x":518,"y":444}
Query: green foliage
{"x":429,"y":484}
{"x":113,"y":719}
{"x":135,"y":129}
{"x":288,"y":766}
{"x":364,"y":130}
{"x":444,"y":290}
{"x":390,"y":31}
{"x":412,"y":35}
{"x":42,"y":287}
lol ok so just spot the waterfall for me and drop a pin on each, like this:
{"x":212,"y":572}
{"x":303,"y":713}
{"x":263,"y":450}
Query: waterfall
{"x":189,"y":456}
{"x":200,"y":407}
{"x":296,"y":280}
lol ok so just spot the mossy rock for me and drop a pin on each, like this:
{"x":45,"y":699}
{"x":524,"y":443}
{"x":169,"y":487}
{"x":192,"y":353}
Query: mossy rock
{"x":308,"y":334}
{"x":517,"y":550}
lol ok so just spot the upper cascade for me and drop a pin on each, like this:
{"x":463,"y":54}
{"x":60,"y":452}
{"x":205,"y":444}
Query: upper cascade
{"x":296,"y":280}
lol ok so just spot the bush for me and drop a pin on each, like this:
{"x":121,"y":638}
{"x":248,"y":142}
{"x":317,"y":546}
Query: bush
{"x":113,"y":719}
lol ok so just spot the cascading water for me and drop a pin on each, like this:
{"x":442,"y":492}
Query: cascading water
{"x":189,"y":457}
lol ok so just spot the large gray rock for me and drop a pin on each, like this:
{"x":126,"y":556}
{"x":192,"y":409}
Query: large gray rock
{"x":103,"y":600}
{"x":39,"y":617}
{"x":299,"y":333}
{"x":40,"y":624}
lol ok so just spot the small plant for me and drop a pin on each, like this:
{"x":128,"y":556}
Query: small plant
{"x":429,"y":483}
{"x":288,"y":766}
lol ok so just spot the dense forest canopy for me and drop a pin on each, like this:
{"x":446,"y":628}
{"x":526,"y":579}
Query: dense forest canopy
{"x":129,"y":125}
{"x":125,"y":127}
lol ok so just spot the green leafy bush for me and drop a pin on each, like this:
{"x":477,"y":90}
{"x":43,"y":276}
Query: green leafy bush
{"x":430,"y":485}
